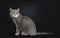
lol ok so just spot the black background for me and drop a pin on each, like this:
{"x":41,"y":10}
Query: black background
{"x":45,"y":14}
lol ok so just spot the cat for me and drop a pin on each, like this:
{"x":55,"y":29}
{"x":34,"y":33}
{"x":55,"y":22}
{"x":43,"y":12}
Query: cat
{"x":23,"y":24}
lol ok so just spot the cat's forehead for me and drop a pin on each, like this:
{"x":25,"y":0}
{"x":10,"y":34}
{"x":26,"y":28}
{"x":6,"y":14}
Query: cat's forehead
{"x":15,"y":9}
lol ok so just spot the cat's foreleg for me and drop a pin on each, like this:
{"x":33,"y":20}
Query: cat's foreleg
{"x":17,"y":30}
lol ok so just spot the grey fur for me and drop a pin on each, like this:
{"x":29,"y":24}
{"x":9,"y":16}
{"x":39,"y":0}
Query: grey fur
{"x":23,"y":23}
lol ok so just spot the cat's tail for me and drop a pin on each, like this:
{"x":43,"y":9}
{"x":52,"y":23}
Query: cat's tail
{"x":44,"y":33}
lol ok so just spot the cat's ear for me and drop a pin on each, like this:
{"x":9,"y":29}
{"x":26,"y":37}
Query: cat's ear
{"x":10,"y":9}
{"x":18,"y":9}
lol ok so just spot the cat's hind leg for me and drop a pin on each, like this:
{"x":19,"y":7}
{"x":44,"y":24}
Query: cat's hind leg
{"x":23,"y":33}
{"x":32,"y":32}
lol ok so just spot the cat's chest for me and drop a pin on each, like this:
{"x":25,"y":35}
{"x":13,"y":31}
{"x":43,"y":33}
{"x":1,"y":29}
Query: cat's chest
{"x":17,"y":20}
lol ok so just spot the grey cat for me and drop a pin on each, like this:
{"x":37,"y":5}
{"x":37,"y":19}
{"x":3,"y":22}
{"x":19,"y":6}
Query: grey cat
{"x":23,"y":24}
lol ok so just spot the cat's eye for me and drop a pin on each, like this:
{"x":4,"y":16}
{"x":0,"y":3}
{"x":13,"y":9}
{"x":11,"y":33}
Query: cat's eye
{"x":16,"y":13}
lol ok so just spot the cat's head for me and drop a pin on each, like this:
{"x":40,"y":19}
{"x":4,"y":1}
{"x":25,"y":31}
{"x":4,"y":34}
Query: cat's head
{"x":14,"y":12}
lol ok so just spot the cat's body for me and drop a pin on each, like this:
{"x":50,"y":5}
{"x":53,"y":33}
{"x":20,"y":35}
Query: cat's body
{"x":24,"y":24}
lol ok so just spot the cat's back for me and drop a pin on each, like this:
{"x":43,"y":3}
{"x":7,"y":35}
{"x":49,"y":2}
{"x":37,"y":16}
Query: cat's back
{"x":28,"y":20}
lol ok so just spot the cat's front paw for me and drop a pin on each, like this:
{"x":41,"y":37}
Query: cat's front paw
{"x":16,"y":34}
